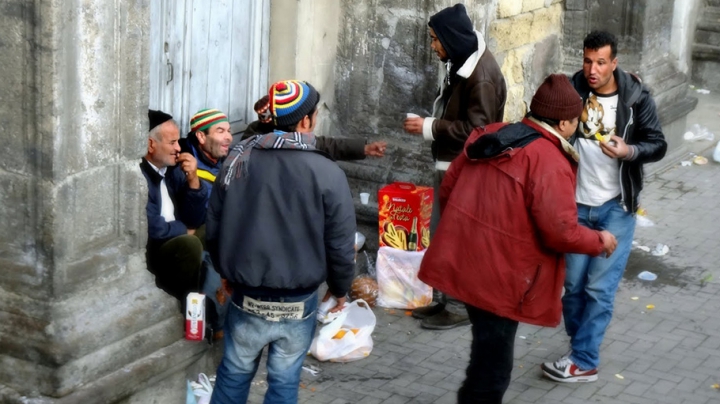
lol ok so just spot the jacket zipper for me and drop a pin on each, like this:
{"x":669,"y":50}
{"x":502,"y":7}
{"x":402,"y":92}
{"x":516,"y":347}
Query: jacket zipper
{"x":623,"y":196}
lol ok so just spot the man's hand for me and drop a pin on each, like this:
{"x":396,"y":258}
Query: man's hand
{"x":340,"y":302}
{"x":189,"y":165}
{"x":609,"y":242}
{"x":226,"y":287}
{"x":375,"y":149}
{"x":413,"y":125}
{"x":615,"y":148}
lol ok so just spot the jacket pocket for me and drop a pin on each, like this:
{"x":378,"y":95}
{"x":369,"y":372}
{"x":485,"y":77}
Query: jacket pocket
{"x":529,"y":295}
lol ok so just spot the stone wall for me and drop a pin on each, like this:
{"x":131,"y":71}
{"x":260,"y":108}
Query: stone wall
{"x":526,"y":39}
{"x":80,"y":317}
{"x":383,"y":67}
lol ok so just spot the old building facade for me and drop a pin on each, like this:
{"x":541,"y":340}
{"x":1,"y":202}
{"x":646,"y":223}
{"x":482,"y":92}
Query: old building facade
{"x":81,"y":318}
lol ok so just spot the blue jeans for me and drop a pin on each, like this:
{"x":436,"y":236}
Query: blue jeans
{"x":213,"y":282}
{"x":247,"y":334}
{"x":591,"y":282}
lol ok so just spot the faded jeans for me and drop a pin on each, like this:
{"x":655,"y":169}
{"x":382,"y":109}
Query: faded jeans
{"x":247,"y":334}
{"x":591,"y":282}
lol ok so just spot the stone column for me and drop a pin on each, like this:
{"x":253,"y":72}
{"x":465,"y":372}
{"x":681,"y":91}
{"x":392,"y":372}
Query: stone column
{"x":644,"y":30}
{"x":81,"y":320}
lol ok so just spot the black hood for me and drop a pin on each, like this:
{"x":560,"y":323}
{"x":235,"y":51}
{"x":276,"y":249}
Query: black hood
{"x":455,"y":32}
{"x":513,"y":136}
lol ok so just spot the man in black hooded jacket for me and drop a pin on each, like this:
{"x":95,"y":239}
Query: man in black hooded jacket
{"x":472,"y":94}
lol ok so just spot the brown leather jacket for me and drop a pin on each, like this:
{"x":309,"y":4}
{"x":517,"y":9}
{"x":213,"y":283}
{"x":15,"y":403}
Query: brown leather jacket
{"x":477,"y":98}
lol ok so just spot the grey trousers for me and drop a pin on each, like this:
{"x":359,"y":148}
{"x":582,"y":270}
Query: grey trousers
{"x":451,"y":304}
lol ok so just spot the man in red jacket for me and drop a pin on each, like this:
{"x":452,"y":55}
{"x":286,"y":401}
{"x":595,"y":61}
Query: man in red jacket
{"x":508,"y":216}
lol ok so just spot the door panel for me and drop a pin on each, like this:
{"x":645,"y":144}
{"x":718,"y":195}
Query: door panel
{"x":208,"y":54}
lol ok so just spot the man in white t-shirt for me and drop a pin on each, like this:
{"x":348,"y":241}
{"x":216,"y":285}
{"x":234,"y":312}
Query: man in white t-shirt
{"x":619,"y":131}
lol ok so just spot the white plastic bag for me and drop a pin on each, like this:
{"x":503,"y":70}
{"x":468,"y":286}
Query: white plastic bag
{"x":348,"y":337}
{"x":202,"y":389}
{"x":398,"y":283}
{"x":716,"y":153}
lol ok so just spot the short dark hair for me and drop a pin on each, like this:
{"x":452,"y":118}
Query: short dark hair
{"x":598,"y":39}
{"x":291,"y":128}
{"x":549,"y":121}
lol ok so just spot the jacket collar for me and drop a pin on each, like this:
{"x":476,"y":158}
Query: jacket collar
{"x":629,"y":85}
{"x":564,"y":144}
{"x":469,"y":66}
{"x":151,"y":172}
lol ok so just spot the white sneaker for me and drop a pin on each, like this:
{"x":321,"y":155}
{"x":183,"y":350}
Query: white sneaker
{"x":564,"y":370}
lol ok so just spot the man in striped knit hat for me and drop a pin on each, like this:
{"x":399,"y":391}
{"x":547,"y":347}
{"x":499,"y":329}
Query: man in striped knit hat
{"x":281,"y":221}
{"x":209,"y":141}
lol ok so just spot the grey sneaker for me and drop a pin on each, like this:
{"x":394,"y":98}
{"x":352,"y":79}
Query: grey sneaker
{"x":445,"y":320}
{"x":422,"y":313}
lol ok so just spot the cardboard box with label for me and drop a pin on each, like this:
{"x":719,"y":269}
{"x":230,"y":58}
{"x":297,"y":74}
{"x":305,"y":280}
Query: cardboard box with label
{"x":404,"y":211}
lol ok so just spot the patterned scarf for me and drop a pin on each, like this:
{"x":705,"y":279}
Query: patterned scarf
{"x":235,"y":165}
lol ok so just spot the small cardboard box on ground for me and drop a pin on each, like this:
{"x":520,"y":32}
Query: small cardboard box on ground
{"x":404,"y":216}
{"x":195,"y":317}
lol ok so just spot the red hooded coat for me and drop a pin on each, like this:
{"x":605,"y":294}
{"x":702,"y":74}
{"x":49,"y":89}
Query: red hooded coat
{"x":508,"y":216}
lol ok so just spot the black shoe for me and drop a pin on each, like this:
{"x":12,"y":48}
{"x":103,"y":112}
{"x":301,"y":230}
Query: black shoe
{"x":422,"y":313}
{"x":445,"y":320}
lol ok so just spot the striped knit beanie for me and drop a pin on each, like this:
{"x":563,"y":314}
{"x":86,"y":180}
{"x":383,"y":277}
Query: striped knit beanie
{"x":291,"y":101}
{"x":206,"y":118}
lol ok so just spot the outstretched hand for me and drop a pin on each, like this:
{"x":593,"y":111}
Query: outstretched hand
{"x":413,"y":125}
{"x":375,"y":149}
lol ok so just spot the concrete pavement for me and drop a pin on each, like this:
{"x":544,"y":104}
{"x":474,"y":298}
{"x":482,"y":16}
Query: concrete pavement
{"x":667,"y":354}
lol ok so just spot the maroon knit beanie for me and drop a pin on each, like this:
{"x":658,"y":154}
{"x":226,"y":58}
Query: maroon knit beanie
{"x":557,"y":99}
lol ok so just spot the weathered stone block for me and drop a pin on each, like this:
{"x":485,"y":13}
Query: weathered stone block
{"x":575,"y":5}
{"x":530,"y":5}
{"x":515,"y":107}
{"x":512,"y":67}
{"x":16,"y":18}
{"x":526,"y":28}
{"x":538,"y":64}
{"x":509,"y":8}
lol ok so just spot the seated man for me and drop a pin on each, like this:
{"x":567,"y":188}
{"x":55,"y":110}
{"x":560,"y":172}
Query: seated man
{"x":175,"y":208}
{"x":208,"y":141}
{"x":337,"y":148}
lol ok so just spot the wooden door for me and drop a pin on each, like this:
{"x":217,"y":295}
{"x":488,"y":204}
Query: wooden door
{"x":208,"y":54}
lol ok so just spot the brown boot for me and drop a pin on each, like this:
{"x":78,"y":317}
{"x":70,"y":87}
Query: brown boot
{"x":445,"y":320}
{"x":422,"y":313}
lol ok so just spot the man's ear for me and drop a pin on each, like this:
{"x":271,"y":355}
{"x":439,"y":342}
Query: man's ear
{"x":303,"y":124}
{"x":200,"y":135}
{"x":151,"y":146}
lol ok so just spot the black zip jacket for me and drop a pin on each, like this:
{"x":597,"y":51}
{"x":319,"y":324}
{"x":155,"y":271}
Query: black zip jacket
{"x":638,"y":124}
